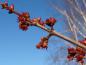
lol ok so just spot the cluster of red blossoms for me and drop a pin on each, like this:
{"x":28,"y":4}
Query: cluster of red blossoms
{"x":77,"y":53}
{"x":9,"y":8}
{"x":26,"y":21}
{"x":51,"y":21}
{"x":24,"y":18}
{"x":83,"y":41}
{"x":43,"y":43}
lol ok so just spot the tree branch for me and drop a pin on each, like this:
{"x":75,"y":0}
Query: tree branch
{"x":62,"y":37}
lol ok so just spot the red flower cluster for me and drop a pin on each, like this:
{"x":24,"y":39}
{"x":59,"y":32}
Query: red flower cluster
{"x":24,"y":17}
{"x":71,"y":53}
{"x":50,"y":21}
{"x":23,"y":20}
{"x":9,"y":8}
{"x":23,"y":26}
{"x":4,"y":5}
{"x":43,"y":43}
{"x":83,"y":41}
{"x":77,"y":53}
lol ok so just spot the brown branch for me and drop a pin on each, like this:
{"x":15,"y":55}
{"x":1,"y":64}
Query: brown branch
{"x":62,"y":37}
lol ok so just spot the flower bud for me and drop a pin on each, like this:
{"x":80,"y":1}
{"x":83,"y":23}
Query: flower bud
{"x":11,"y":9}
{"x":44,"y":44}
{"x":26,"y":15}
{"x":38,"y":46}
{"x":69,"y":57}
{"x":4,"y":5}
{"x":79,"y":57}
{"x":23,"y":26}
{"x":21,"y":19}
{"x":51,"y":21}
{"x":71,"y":51}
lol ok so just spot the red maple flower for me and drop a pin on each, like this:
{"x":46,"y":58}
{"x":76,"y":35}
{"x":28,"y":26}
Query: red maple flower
{"x":38,"y":46}
{"x":25,"y":15}
{"x":23,"y":26}
{"x":21,"y":19}
{"x":79,"y":57}
{"x":51,"y":21}
{"x":83,"y":41}
{"x":80,"y":51}
{"x":69,"y":57}
{"x":43,"y":43}
{"x":11,"y":9}
{"x":4,"y":5}
{"x":71,"y":51}
{"x":77,"y":53}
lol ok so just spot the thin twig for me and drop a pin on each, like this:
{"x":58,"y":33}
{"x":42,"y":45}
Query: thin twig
{"x":63,"y":37}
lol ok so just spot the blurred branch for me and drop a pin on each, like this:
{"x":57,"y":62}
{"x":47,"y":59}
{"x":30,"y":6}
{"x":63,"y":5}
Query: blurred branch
{"x":78,"y":22}
{"x":84,"y":2}
{"x":77,"y":8}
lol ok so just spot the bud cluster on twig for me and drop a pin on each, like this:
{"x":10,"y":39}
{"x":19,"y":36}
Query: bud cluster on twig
{"x":77,"y":53}
{"x":24,"y":18}
{"x":25,"y":21}
{"x":43,"y":42}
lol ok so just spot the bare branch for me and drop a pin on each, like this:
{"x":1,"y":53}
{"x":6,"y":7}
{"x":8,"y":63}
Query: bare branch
{"x":75,"y":27}
{"x":62,"y":37}
{"x":78,"y":10}
{"x":84,"y":2}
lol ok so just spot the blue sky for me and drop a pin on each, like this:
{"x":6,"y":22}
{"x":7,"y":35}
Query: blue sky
{"x":18,"y":47}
